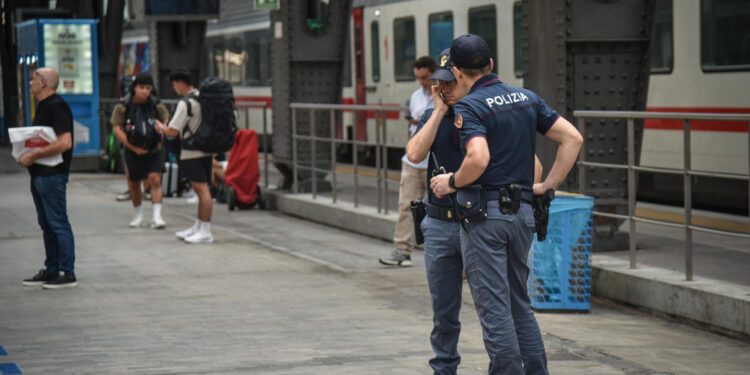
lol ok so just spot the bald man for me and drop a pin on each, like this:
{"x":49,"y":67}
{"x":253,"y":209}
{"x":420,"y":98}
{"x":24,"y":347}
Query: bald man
{"x":48,"y":184}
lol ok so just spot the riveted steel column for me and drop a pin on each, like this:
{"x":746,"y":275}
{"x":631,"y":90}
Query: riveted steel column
{"x":687,"y":180}
{"x":631,"y":190}
{"x":582,"y":156}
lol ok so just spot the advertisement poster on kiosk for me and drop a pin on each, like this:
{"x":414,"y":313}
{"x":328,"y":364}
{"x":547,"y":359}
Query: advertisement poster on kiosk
{"x":70,"y":47}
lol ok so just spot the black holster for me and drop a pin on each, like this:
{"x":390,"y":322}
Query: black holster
{"x":510,"y":199}
{"x":418,"y":213}
{"x":541,"y":213}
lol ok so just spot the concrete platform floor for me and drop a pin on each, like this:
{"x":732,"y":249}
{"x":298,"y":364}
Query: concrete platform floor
{"x":273,"y":295}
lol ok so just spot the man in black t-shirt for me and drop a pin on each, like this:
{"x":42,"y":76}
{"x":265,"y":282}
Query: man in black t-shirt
{"x":48,"y":184}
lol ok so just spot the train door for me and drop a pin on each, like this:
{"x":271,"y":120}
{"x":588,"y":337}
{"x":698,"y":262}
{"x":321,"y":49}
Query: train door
{"x":359,"y":72}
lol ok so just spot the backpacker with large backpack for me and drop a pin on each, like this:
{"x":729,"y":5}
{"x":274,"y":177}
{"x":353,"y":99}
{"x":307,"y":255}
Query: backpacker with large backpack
{"x":219,"y":123}
{"x":140,"y":122}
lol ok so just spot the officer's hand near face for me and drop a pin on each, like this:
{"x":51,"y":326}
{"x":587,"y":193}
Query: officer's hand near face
{"x":437,"y":99}
{"x":440,"y":186}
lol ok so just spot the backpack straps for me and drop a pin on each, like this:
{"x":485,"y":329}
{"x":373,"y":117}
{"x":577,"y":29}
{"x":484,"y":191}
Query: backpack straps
{"x":189,"y":105}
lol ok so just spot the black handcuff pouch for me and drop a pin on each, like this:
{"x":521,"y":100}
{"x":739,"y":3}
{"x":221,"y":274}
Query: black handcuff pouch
{"x":471,"y":204}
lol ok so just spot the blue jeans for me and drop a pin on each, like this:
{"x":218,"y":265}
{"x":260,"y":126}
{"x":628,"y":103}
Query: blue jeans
{"x":51,"y":211}
{"x":442,"y":258}
{"x":495,"y":253}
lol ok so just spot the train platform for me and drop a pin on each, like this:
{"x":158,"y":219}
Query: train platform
{"x":275,"y":295}
{"x":718,"y":298}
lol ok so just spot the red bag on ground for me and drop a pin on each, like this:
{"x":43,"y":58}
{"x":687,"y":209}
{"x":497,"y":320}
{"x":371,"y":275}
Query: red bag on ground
{"x":243,"y":172}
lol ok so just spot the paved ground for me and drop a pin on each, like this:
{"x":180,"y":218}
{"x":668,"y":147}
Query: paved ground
{"x":273,"y":295}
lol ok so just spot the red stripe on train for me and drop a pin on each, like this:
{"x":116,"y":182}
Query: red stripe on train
{"x":390,"y":115}
{"x":698,"y":125}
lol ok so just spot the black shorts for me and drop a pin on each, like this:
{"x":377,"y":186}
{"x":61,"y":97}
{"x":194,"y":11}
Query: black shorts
{"x":140,"y":166}
{"x":197,"y":170}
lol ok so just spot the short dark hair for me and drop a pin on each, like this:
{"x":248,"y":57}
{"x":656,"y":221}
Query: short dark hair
{"x":143,"y":79}
{"x":426,"y":62}
{"x":181,"y":75}
{"x":471,"y":73}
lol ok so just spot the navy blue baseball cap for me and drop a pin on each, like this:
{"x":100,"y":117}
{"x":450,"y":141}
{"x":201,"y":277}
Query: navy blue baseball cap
{"x":443,"y":72}
{"x":470,"y":51}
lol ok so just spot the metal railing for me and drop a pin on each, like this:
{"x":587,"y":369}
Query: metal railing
{"x":686,"y":171}
{"x":381,"y":147}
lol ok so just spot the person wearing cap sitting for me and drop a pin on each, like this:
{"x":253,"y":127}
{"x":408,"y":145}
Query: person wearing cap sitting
{"x":497,"y":125}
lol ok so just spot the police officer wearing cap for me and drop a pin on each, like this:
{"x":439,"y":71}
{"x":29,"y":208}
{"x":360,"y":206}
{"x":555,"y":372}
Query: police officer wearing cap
{"x":497,"y":125}
{"x":442,"y":248}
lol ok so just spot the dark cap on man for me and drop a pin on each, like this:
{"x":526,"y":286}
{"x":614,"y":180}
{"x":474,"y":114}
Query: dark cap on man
{"x":443,"y":72}
{"x":470,"y":51}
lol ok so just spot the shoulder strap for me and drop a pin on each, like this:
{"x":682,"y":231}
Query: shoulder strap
{"x":189,"y":105}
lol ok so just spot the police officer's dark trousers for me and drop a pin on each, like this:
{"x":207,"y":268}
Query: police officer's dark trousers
{"x":442,"y":258}
{"x":495,"y":253}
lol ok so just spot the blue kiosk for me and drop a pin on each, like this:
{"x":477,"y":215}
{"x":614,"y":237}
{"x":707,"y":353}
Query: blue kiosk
{"x":70,"y":47}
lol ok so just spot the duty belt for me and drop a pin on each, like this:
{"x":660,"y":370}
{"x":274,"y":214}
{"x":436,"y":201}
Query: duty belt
{"x":493,"y":194}
{"x":441,"y":212}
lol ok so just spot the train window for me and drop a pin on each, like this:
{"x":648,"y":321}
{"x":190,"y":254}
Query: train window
{"x":375,"y":45}
{"x":725,"y":36}
{"x":483,"y":22}
{"x":441,"y":33}
{"x":404,"y":48}
{"x":517,"y":51}
{"x":661,"y":42}
{"x":242,"y":59}
{"x":257,"y":63}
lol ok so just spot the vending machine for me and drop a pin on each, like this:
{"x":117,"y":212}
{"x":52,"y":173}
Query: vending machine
{"x":70,"y":47}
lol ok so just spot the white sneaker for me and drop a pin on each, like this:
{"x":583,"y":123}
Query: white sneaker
{"x":193,"y":199}
{"x":136,"y":222}
{"x":183,"y":234}
{"x":200,"y":237}
{"x":158,"y":223}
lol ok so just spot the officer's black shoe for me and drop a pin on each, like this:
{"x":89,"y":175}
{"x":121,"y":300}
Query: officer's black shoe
{"x":397,"y":258}
{"x":40,"y":278}
{"x":65,"y":280}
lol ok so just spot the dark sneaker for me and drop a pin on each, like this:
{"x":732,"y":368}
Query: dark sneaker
{"x":397,"y":258}
{"x":40,"y":278}
{"x":63,"y":281}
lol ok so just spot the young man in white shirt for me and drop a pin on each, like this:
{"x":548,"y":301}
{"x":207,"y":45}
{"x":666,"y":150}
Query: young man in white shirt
{"x":195,"y":165}
{"x":413,"y":176}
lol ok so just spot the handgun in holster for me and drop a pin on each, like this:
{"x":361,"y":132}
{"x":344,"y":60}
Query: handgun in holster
{"x":510,"y":199}
{"x":541,"y":213}
{"x":418,"y":213}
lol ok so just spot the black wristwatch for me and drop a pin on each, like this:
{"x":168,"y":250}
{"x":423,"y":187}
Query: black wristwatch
{"x":452,"y":182}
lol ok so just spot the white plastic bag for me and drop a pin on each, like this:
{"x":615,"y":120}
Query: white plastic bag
{"x":30,"y":138}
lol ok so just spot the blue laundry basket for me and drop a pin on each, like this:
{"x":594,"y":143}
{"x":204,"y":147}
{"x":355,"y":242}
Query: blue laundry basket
{"x":560,"y":277}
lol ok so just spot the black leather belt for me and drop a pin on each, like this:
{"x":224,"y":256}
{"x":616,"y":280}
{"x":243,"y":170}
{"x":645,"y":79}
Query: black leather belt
{"x":440,"y":212}
{"x":493,"y":194}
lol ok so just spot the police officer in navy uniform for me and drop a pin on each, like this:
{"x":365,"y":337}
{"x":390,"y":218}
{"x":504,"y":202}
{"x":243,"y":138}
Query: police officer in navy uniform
{"x":436,"y":136}
{"x":497,"y":129}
